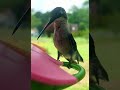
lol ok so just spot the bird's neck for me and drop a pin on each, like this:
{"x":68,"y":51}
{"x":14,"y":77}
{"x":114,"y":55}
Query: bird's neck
{"x":60,"y":29}
{"x":60,"y":25}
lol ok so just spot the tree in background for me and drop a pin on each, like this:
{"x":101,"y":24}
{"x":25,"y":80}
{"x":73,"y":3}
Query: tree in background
{"x":80,"y":16}
{"x":76,"y":16}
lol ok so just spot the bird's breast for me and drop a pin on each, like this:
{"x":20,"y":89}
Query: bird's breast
{"x":61,"y":41}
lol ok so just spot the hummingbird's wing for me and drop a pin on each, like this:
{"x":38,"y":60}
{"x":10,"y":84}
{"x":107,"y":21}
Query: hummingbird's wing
{"x":72,"y":41}
{"x":74,"y":48}
{"x":96,"y":69}
{"x":92,"y":47}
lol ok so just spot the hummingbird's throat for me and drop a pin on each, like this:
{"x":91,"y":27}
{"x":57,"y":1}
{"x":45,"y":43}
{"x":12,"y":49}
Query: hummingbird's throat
{"x":60,"y":23}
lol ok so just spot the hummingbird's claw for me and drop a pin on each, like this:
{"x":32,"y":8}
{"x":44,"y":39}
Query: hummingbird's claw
{"x":58,"y":60}
{"x":69,"y":65}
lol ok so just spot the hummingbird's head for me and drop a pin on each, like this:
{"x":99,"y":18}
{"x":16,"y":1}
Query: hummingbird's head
{"x":56,"y":13}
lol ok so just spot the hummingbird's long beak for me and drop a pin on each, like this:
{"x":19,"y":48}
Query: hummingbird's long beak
{"x":50,"y":21}
{"x":20,"y":21}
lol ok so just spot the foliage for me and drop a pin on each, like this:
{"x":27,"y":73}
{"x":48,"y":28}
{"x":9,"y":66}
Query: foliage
{"x":39,"y":19}
{"x":79,"y":16}
{"x":84,"y":34}
{"x":76,"y":33}
{"x":35,"y":22}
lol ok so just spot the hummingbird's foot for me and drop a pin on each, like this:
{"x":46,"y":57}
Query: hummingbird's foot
{"x":58,"y":60}
{"x":69,"y":66}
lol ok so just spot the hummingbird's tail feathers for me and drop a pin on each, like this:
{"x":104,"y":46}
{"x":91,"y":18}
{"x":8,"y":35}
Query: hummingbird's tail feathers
{"x":78,"y":57}
{"x":102,"y":74}
{"x":99,"y":71}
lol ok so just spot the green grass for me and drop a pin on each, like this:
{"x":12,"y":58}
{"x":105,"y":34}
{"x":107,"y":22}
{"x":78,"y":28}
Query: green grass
{"x":83,"y":48}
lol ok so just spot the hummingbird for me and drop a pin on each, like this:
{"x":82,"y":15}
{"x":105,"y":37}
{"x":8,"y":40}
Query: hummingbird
{"x":97,"y":72}
{"x":63,"y":39}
